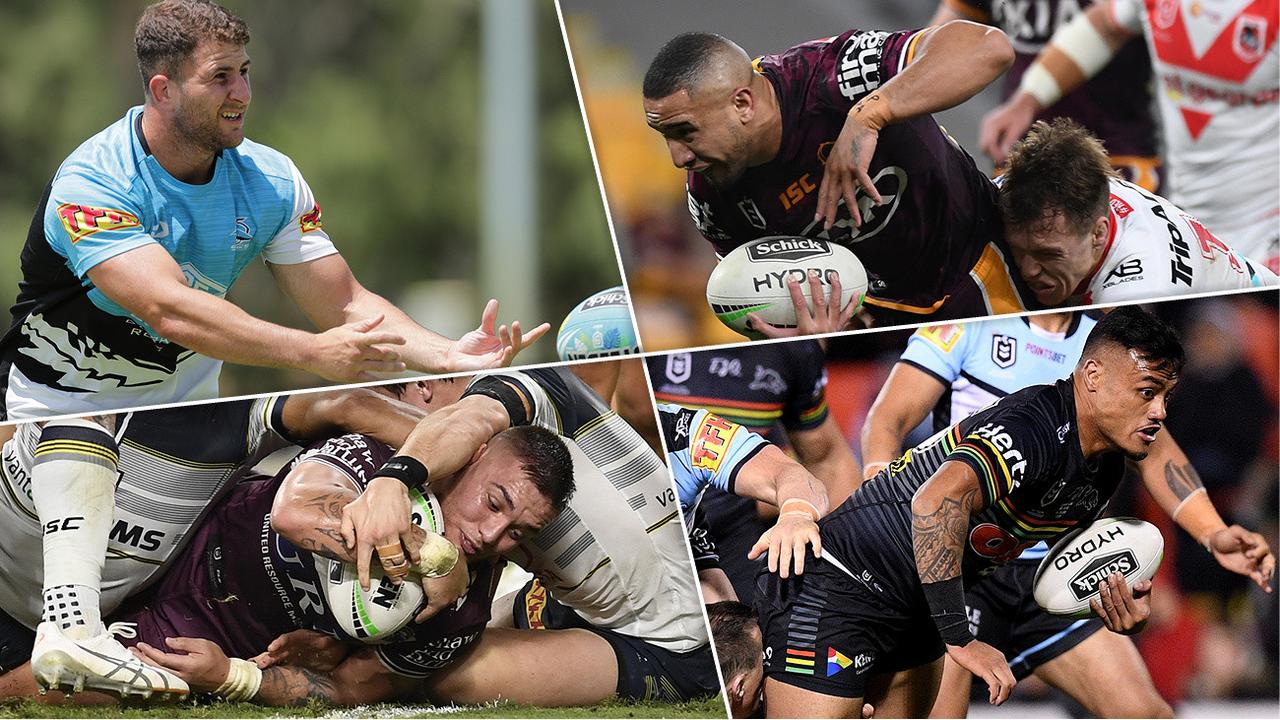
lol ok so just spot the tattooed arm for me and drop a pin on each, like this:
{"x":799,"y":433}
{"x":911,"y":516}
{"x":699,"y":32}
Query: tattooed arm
{"x":359,"y":679}
{"x":940,"y":513}
{"x":1175,"y":485}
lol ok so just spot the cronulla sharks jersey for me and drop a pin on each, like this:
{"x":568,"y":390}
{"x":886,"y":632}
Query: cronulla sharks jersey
{"x":704,"y":450}
{"x":70,"y":347}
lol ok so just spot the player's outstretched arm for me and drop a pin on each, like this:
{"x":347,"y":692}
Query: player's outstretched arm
{"x":1176,"y":487}
{"x":147,"y":282}
{"x":1077,"y":52}
{"x":953,"y":62}
{"x":327,"y":291}
{"x":904,"y":401}
{"x":316,"y":415}
{"x":772,"y":477}
{"x":940,"y":513}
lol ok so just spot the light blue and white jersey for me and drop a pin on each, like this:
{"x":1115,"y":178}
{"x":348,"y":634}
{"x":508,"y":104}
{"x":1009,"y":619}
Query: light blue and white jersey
{"x":980,"y":362}
{"x":72,"y":348}
{"x":704,"y":450}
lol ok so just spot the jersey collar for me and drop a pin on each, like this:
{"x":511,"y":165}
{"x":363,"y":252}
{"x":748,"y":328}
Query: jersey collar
{"x":1083,"y":287}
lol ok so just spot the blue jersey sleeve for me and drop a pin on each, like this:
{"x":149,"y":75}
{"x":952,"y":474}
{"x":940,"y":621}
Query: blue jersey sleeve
{"x":706,"y":450}
{"x":88,"y":221}
{"x":939,"y":350}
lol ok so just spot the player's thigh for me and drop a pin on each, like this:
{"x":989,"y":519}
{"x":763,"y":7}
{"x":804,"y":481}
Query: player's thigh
{"x":906,"y":693}
{"x":791,"y":701}
{"x":536,"y":667}
{"x":1106,"y":675}
{"x":953,"y":691}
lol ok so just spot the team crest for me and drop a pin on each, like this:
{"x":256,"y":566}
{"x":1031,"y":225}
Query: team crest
{"x":243,"y":233}
{"x":752,"y":212}
{"x":679,"y":367}
{"x":1004,"y":351}
{"x":311,"y":222}
{"x":1250,"y":39}
{"x":81,"y":221}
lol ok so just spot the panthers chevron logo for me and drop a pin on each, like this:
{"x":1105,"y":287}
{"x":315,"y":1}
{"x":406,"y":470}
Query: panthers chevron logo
{"x":81,"y":221}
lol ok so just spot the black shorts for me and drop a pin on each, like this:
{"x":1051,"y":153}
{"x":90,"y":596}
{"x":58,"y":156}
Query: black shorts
{"x":645,"y":671}
{"x":16,"y":641}
{"x":1004,"y":614}
{"x":825,"y":632}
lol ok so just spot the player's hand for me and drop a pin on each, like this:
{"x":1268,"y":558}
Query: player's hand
{"x":485,"y":347}
{"x":826,"y":315}
{"x":201,"y":663}
{"x":1244,"y":552}
{"x":1122,"y":611}
{"x":848,"y":164}
{"x":1003,"y":127}
{"x":445,"y":591}
{"x":988,"y":664}
{"x":305,"y":649}
{"x":354,"y":352}
{"x":380,"y":518}
{"x":786,"y":541}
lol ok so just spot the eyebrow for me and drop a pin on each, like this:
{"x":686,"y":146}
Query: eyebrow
{"x":502,"y":489}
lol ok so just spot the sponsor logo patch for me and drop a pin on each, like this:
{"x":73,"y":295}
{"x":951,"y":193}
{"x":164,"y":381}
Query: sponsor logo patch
{"x":311,"y":221}
{"x":1120,"y":207}
{"x":711,"y":441}
{"x":788,"y":248}
{"x":535,"y":601}
{"x":1085,"y":583}
{"x":944,"y":336}
{"x":81,"y":221}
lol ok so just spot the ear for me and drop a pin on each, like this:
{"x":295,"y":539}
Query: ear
{"x":1093,"y":372}
{"x":737,"y":686}
{"x":161,"y":89}
{"x":744,"y":104}
{"x":479,"y":453}
{"x":1101,"y":228}
{"x":425,"y":390}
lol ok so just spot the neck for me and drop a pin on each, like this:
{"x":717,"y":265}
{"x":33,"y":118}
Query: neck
{"x":1092,"y":443}
{"x":1052,"y":322}
{"x":769,"y":130}
{"x":175,"y":154}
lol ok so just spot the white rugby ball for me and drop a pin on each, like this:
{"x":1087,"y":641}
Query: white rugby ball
{"x":597,"y":327}
{"x":1068,"y":576}
{"x":753,"y":278}
{"x":375,"y":616}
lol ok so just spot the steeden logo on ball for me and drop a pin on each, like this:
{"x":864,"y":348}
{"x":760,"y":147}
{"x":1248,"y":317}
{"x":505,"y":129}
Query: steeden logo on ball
{"x":788,"y":248}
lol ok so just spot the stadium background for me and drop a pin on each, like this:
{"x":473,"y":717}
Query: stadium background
{"x":1212,"y":641}
{"x":408,"y":126}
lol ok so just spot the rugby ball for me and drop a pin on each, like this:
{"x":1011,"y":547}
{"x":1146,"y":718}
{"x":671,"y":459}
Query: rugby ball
{"x":753,"y":278}
{"x":597,"y":327}
{"x":375,"y":616}
{"x":1068,"y":576}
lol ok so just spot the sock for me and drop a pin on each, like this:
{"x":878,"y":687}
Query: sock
{"x":73,"y":486}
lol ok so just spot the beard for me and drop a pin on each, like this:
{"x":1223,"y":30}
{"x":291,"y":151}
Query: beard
{"x":200,"y":131}
{"x":724,"y":174}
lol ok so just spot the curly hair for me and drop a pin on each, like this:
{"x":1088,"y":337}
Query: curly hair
{"x":169,"y":31}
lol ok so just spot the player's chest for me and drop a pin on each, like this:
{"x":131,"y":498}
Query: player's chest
{"x":734,"y":385}
{"x":212,"y":238}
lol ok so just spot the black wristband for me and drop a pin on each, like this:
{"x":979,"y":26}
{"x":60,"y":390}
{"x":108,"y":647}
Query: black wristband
{"x":405,"y":469}
{"x":947,"y":607}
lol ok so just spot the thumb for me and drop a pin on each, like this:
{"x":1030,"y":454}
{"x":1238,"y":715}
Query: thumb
{"x":367,"y":324}
{"x":186,"y":644}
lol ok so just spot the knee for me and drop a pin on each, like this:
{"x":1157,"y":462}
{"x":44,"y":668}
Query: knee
{"x":1144,"y":705}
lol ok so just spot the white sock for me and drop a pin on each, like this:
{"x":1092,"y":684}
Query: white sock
{"x":73,"y":485}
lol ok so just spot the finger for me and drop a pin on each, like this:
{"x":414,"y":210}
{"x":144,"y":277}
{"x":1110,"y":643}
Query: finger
{"x":533,"y":335}
{"x":824,"y":192}
{"x":774,"y":565}
{"x":1096,"y":605}
{"x":391,"y":555}
{"x":155,"y":656}
{"x":368,"y":367}
{"x":504,"y":336}
{"x":515,"y":335}
{"x":1007,"y":683}
{"x":761,"y":546}
{"x":489,"y":317}
{"x":837,"y":292}
{"x":364,"y":548}
{"x":384,"y":353}
{"x":797,"y":300}
{"x":188,"y":645}
{"x":849,"y":190}
{"x":381,"y":337}
{"x":815,"y":538}
{"x":263,"y":660}
{"x":414,"y":545}
{"x":864,"y":181}
{"x":797,"y":555}
{"x":767,"y":330}
{"x":818,"y":294}
{"x":347,"y":529}
{"x":993,"y":687}
{"x":367,"y":324}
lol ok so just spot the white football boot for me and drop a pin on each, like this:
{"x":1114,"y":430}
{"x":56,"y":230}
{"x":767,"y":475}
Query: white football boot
{"x":97,"y":663}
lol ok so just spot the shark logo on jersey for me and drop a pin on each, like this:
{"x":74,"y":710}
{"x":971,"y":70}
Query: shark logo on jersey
{"x":1004,"y":350}
{"x":679,"y":367}
{"x":243,"y":233}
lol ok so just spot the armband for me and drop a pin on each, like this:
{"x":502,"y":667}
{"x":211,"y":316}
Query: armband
{"x":405,"y":469}
{"x":947,"y":608}
{"x":242,"y":683}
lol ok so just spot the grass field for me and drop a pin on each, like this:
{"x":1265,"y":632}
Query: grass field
{"x":713,"y":708}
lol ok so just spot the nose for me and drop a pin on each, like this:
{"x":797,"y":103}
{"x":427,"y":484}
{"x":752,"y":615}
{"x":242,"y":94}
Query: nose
{"x":493,"y":531}
{"x":1158,"y":410}
{"x":240,"y":90}
{"x":681,"y":155}
{"x":1028,"y":266}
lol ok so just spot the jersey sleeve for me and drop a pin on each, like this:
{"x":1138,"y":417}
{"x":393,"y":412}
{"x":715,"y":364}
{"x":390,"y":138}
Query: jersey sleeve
{"x":705,"y":555}
{"x":856,"y":63}
{"x":526,"y":400}
{"x":302,"y":238}
{"x":806,"y":407}
{"x":1008,"y":450}
{"x":939,"y":350}
{"x":358,"y":457}
{"x":87,"y":221}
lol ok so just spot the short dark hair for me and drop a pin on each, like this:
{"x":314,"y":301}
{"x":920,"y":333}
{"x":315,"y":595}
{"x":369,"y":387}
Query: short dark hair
{"x":681,"y":62}
{"x":1132,"y":328}
{"x":732,"y":624}
{"x":545,"y":460}
{"x":1059,"y":168}
{"x":169,"y":31}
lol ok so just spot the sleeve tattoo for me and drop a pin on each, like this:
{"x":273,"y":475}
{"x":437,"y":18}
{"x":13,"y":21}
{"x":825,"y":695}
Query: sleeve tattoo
{"x":938,"y":537}
{"x":1182,"y":479}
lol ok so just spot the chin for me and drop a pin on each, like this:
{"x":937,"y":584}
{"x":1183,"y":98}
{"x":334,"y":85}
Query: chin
{"x":1136,"y":455}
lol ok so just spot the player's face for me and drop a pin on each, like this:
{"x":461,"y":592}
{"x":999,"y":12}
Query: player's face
{"x":1054,"y":259}
{"x":704,"y":135}
{"x":753,"y":684}
{"x":213,"y":96}
{"x":493,"y":506}
{"x":1133,"y":401}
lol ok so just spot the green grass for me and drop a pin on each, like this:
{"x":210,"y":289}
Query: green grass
{"x":713,"y":707}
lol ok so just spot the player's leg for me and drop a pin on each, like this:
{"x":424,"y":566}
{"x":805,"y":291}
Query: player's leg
{"x":549,"y":668}
{"x":953,"y":692}
{"x":789,"y":701}
{"x":905,"y":693}
{"x":1106,"y":675}
{"x":73,"y":488}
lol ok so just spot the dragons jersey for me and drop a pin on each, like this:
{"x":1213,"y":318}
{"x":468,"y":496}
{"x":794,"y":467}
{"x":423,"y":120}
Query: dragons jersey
{"x":174,"y":464}
{"x":1218,"y":82}
{"x":981,"y":362}
{"x":704,"y":450}
{"x":1156,"y":250}
{"x":617,"y":554}
{"x":1035,"y":482}
{"x":241,"y":584}
{"x":1115,"y":104}
{"x":939,"y":215}
{"x":71,"y":348}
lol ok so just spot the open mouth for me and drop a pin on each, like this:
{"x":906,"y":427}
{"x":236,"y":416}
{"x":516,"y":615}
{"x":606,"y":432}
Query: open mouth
{"x":1148,"y":434}
{"x":233,"y":116}
{"x":467,"y":546}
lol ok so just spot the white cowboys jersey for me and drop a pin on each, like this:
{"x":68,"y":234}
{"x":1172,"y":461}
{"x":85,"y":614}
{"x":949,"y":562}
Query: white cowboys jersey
{"x":1156,"y":250}
{"x":174,"y":465}
{"x":1217,"y":73}
{"x":617,"y":554}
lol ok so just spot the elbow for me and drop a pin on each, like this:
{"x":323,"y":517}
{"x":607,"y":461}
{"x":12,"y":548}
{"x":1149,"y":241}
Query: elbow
{"x":997,"y":51}
{"x":986,"y":47}
{"x":287,"y":518}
